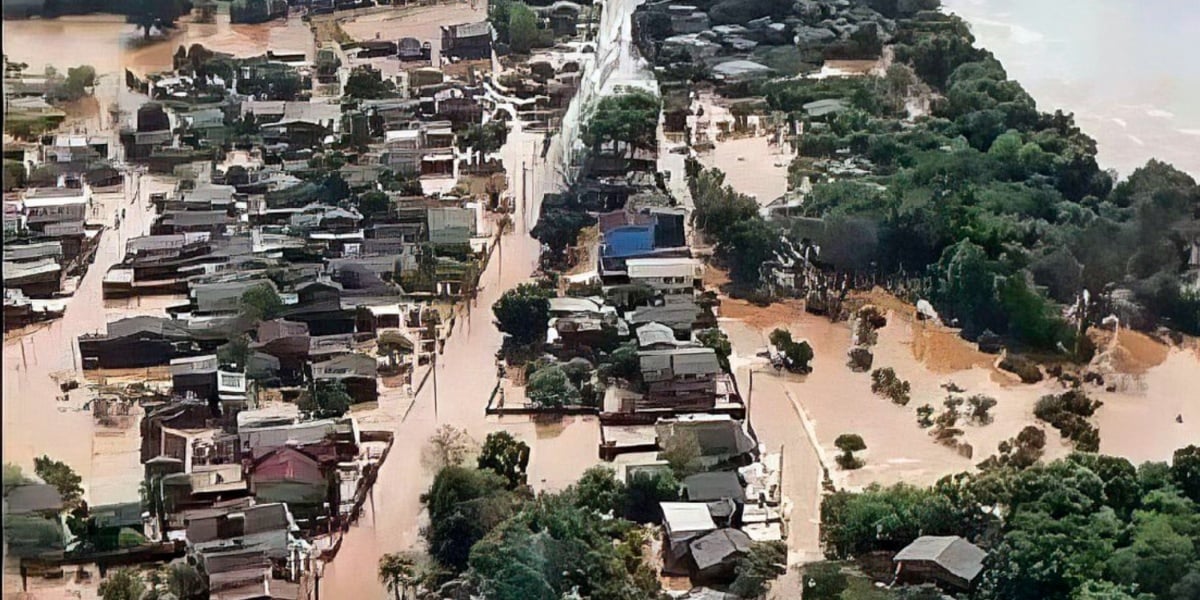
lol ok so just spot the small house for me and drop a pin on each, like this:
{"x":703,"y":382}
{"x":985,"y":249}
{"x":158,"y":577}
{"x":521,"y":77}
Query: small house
{"x":715,"y":556}
{"x":467,"y":41}
{"x":722,"y":439}
{"x":357,"y":372}
{"x":196,"y":375}
{"x":683,"y":522}
{"x":299,"y":476}
{"x":949,"y":561}
{"x":672,"y":277}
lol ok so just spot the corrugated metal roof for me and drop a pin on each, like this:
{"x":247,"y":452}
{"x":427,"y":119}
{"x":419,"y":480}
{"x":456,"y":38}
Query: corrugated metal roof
{"x":641,"y":268}
{"x":958,"y":556}
{"x":686,"y":517}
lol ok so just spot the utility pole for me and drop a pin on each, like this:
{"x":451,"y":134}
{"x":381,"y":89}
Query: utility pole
{"x":524,"y":193}
{"x":433,"y":365}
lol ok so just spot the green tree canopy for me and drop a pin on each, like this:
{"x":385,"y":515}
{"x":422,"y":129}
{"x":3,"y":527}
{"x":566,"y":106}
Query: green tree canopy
{"x":327,"y":399}
{"x":60,"y":475}
{"x":627,"y":122}
{"x":506,"y":456}
{"x":550,"y":387}
{"x":523,"y":312}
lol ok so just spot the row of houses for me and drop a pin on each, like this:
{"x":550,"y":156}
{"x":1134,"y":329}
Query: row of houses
{"x":52,"y":226}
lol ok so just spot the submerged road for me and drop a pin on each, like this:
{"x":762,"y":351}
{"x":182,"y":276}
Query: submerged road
{"x":466,"y":375}
{"x":35,"y":423}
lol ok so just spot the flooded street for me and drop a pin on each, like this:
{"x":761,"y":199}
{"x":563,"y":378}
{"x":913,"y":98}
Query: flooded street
{"x":34,"y":422}
{"x":466,"y":374}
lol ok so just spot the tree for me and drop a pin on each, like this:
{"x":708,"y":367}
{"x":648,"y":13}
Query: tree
{"x":161,"y":14}
{"x":849,"y":443}
{"x":74,"y":86}
{"x":374,"y":203}
{"x":13,"y":477}
{"x":125,"y":584}
{"x":925,"y":415}
{"x":555,"y":549}
{"x":365,"y":83}
{"x":598,"y":490}
{"x":398,"y":573}
{"x":185,"y":582}
{"x":559,"y":228}
{"x":236,"y":351}
{"x":261,"y":303}
{"x":747,"y":246}
{"x":718,"y":206}
{"x":717,"y":340}
{"x":1187,"y":588}
{"x":551,"y":388}
{"x":1185,"y":470}
{"x":326,"y":399}
{"x":487,"y":138}
{"x":464,"y":505}
{"x":523,"y":313}
{"x":499,"y":14}
{"x":448,"y":447}
{"x":644,"y":493}
{"x":966,"y":288}
{"x":522,"y":28}
{"x":628,"y":122}
{"x":506,"y":456}
{"x":763,"y":562}
{"x":62,"y":477}
{"x":682,"y":452}
{"x":798,"y":355}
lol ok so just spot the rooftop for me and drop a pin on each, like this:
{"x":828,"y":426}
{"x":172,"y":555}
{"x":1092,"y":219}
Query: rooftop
{"x":958,"y":556}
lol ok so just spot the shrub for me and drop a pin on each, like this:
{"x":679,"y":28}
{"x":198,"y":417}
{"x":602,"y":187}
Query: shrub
{"x":885,"y":383}
{"x":1024,"y":368}
{"x":551,"y":388}
{"x":925,"y":416}
{"x":1068,"y":413}
{"x":980,"y":405}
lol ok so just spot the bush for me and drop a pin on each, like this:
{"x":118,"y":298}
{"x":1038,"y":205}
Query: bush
{"x":1024,"y":368}
{"x":327,"y":399}
{"x":980,"y":405}
{"x":796,"y":354}
{"x":823,"y":581}
{"x":1019,"y":452}
{"x":885,"y":383}
{"x":1068,"y":413}
{"x":550,"y":387}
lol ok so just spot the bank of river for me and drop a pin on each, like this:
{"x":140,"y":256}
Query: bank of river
{"x":1126,"y":69}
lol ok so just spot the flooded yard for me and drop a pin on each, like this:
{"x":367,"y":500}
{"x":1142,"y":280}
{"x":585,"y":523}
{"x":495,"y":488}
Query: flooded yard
{"x":1138,"y":421}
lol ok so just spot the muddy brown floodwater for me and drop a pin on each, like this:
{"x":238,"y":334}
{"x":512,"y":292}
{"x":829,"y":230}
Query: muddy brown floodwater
{"x":466,"y":374}
{"x":35,"y":422}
